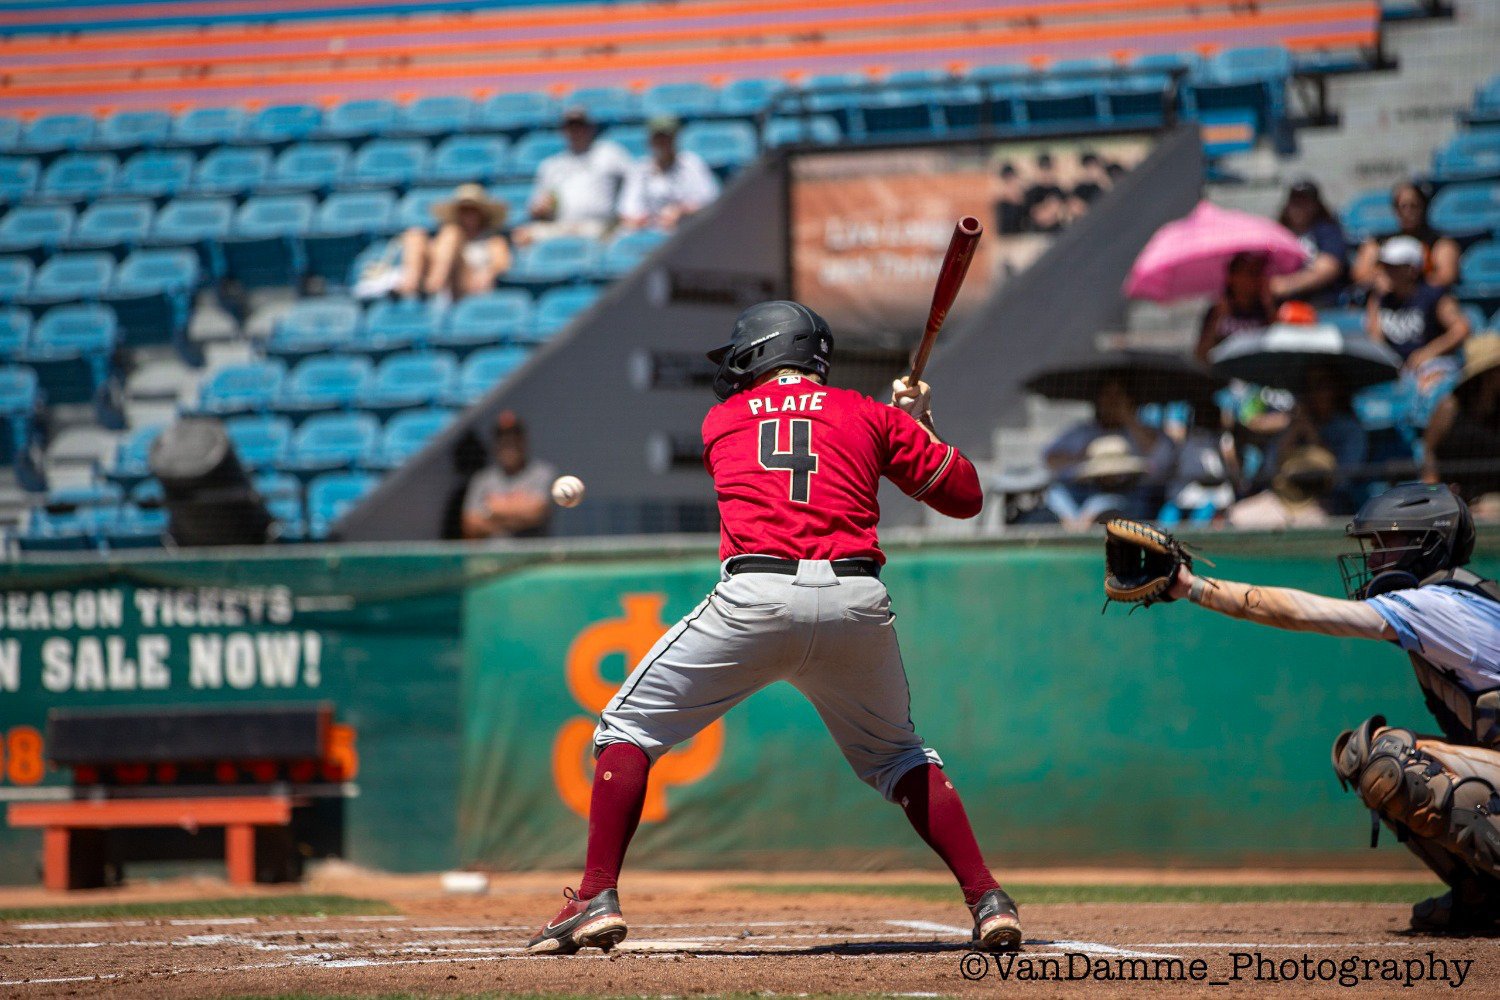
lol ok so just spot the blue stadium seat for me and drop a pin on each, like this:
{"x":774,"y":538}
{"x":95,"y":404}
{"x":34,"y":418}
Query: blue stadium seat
{"x":681,"y":100}
{"x":308,"y":166}
{"x":18,"y":178}
{"x":1470,"y":155}
{"x":898,"y":111}
{"x":415,"y":378}
{"x":1063,"y":103}
{"x":415,"y":208}
{"x":10,"y":133}
{"x":135,"y":528}
{"x":201,"y":223}
{"x":93,"y":494}
{"x":1479,"y":273}
{"x":155,"y":173}
{"x":15,"y":331}
{"x":532,"y":148}
{"x":125,"y":131}
{"x":79,"y":177}
{"x":132,"y":456}
{"x":631,"y":138}
{"x":264,"y":246}
{"x":280,"y":124}
{"x":277,"y":485}
{"x":748,"y":98}
{"x":147,"y":493}
{"x":71,"y":277}
{"x":56,"y":133}
{"x":323,"y":383}
{"x":518,"y":112}
{"x":290,"y":518}
{"x":1369,"y":214}
{"x":517,"y":197}
{"x":47,"y":532}
{"x":232,"y":170}
{"x":559,"y":307}
{"x":406,"y":434}
{"x":626,"y":251}
{"x":245,"y":388}
{"x":20,"y":399}
{"x":15,"y":278}
{"x":35,"y":230}
{"x":204,"y":128}
{"x":723,"y":145}
{"x":388,"y":163}
{"x":112,"y":225}
{"x":479,"y":320}
{"x":314,"y":326}
{"x":260,"y":441}
{"x":395,"y":325}
{"x":1270,"y":63}
{"x":330,"y":495}
{"x":358,"y":119}
{"x":483,"y":369}
{"x":553,"y":262}
{"x":152,"y":295}
{"x":1136,"y":97}
{"x":332,"y":441}
{"x":71,"y":348}
{"x":607,"y":105}
{"x":434,"y":116}
{"x":346,"y":223}
{"x":821,"y":130}
{"x":1350,"y":322}
{"x":461,"y":158}
{"x":1466,"y":210}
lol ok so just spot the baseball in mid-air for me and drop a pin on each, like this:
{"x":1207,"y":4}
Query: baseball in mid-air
{"x":567,"y":491}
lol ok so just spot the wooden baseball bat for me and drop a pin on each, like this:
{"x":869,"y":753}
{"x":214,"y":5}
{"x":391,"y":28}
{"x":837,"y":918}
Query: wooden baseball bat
{"x":949,"y":280}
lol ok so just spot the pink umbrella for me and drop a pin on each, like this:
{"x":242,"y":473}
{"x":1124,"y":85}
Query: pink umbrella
{"x":1187,"y":258}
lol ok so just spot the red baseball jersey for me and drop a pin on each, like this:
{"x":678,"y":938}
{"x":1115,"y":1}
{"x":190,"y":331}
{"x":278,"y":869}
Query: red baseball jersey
{"x":796,"y":466}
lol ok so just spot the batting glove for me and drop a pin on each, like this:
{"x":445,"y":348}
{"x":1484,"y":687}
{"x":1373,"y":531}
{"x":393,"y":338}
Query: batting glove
{"x":914,"y":399}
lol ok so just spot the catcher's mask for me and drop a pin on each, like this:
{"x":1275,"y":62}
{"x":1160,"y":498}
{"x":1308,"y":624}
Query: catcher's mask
{"x":1405,"y":535}
{"x":768,"y":336}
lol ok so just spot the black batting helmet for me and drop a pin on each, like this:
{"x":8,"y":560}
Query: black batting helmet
{"x":768,"y":336}
{"x":1432,"y":530}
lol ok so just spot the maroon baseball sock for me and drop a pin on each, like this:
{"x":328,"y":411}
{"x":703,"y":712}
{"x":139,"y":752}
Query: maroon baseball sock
{"x":614,"y":813}
{"x":937,"y":813}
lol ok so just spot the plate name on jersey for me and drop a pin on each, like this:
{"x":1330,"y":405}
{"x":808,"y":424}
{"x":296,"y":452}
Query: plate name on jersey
{"x":801,"y":403}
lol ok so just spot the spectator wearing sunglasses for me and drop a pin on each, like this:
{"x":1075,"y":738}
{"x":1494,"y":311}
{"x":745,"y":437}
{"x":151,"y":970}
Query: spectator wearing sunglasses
{"x":1439,"y":252}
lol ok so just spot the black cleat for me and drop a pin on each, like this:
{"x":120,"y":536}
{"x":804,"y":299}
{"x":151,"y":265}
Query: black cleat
{"x":997,"y":925}
{"x":583,"y":923}
{"x":1458,"y":913}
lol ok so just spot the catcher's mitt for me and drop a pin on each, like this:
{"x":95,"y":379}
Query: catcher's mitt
{"x":1141,"y":562}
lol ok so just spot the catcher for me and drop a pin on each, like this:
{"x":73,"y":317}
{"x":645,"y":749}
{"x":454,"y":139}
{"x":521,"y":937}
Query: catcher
{"x":1406,"y":585}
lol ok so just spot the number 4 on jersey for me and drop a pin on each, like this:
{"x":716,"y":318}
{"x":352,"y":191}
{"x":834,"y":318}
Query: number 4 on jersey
{"x":801,"y":461}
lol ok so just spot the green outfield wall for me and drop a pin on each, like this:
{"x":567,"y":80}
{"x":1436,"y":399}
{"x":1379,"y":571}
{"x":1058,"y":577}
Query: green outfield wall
{"x":471,"y":677}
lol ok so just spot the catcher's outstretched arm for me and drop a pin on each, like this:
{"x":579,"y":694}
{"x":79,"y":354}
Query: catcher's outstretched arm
{"x":1283,"y":607}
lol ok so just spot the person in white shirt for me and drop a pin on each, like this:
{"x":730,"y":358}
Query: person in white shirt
{"x":575,"y":189}
{"x":668,"y":185}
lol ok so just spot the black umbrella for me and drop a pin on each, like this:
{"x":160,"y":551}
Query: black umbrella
{"x":1149,"y":377}
{"x":1280,"y":355}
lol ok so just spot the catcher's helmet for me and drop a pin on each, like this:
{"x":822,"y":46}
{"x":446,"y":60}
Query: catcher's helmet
{"x":768,"y":336}
{"x":1426,"y":529}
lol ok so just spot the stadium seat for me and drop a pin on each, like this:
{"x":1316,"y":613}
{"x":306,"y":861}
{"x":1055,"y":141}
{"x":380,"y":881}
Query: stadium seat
{"x":531,"y":149}
{"x":281,"y":124}
{"x":631,"y":138}
{"x":152,"y":294}
{"x":1479,"y":273}
{"x":307,"y":166}
{"x":35,"y":230}
{"x":155,"y":173}
{"x":1063,"y":103}
{"x":359,"y":119}
{"x":92,"y":494}
{"x":323,"y":383}
{"x":517,"y":198}
{"x":464,"y":158}
{"x":898,"y":111}
{"x":135,"y":527}
{"x":388,"y":163}
{"x":483,"y":370}
{"x":1350,"y":322}
{"x":232,"y":171}
{"x":626,"y":251}
{"x":204,"y":128}
{"x":125,"y":131}
{"x":201,"y":223}
{"x":681,"y":100}
{"x":10,"y":133}
{"x":18,"y":178}
{"x":330,"y":495}
{"x":974,"y":105}
{"x":403,"y":381}
{"x":276,"y":485}
{"x":116,"y":226}
{"x":20,"y":399}
{"x":147,"y":493}
{"x":518,"y":112}
{"x":557,"y":308}
{"x":1369,"y":214}
{"x":78,"y":177}
{"x":330,"y":441}
{"x":553,"y":262}
{"x":314,"y":326}
{"x":244,"y":388}
{"x":290,"y":519}
{"x":1471,"y":155}
{"x":132,"y":456}
{"x":606,"y":105}
{"x":346,"y":223}
{"x":264,"y":246}
{"x":433,"y":116}
{"x":480,"y":320}
{"x":750,"y":97}
{"x":821,"y":130}
{"x":15,"y":331}
{"x":1136,"y":97}
{"x":71,"y":348}
{"x":15,"y":278}
{"x":415,"y":208}
{"x":56,"y":133}
{"x":70,"y":277}
{"x":46,"y":532}
{"x":395,"y":325}
{"x":1467,"y":210}
{"x":406,"y":434}
{"x":260,"y":441}
{"x":1270,"y":63}
{"x":724,"y":146}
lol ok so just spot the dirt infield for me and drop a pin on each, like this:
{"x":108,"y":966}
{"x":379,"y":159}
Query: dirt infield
{"x":697,"y":934}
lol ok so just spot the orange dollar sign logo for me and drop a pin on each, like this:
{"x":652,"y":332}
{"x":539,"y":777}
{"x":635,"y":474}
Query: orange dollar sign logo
{"x":631,"y":635}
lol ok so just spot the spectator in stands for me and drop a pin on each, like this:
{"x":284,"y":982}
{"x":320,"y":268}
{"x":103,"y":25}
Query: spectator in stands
{"x":1304,"y":479}
{"x":1045,"y":200}
{"x":1462,"y":440}
{"x":1245,"y":305}
{"x":576,"y":189}
{"x":1439,"y":252}
{"x":509,"y":498}
{"x":1108,"y":483}
{"x":1115,"y":415}
{"x":1011,"y":216}
{"x":1324,"y":418}
{"x":1093,"y":182}
{"x":1324,"y":275}
{"x":668,"y":184}
{"x":1420,"y":322}
{"x":466,"y":255}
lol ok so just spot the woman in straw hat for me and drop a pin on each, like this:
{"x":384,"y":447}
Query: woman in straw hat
{"x":466,"y":255}
{"x":1462,"y":441}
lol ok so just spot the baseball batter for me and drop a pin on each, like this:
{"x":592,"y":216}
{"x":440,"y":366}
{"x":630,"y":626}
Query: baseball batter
{"x":795,"y":465}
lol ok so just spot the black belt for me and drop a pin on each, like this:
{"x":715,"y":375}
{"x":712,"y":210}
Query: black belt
{"x":788,"y":567}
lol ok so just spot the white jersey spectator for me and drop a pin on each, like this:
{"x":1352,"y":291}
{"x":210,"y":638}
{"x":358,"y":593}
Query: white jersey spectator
{"x":575,"y":189}
{"x":667,"y":185}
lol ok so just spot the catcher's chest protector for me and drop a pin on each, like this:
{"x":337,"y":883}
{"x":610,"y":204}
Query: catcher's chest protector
{"x":1464,"y":714}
